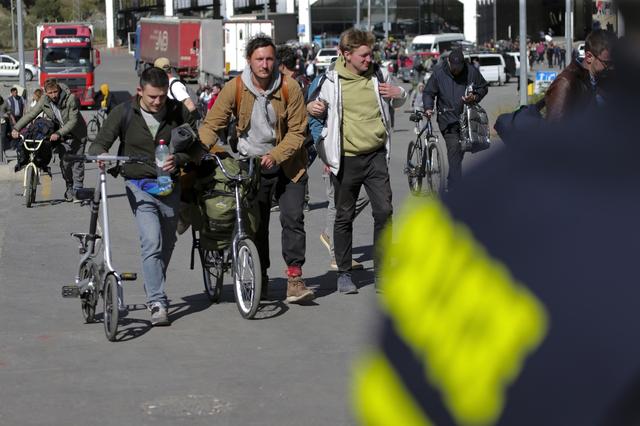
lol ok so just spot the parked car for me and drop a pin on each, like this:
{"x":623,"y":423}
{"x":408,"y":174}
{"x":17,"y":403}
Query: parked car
{"x":10,"y":68}
{"x":324,"y":57}
{"x":492,"y":66}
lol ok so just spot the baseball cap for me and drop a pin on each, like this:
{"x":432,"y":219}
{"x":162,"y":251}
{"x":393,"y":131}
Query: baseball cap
{"x":456,"y":57}
{"x":162,"y":63}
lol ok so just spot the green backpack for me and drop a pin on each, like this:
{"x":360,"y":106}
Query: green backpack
{"x":216,"y":199}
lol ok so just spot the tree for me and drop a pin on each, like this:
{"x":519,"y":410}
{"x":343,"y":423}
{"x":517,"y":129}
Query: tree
{"x":47,"y":10}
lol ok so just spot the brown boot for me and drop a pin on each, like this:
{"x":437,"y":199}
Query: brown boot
{"x":297,"y":292}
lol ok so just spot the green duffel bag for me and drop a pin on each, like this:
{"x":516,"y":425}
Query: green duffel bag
{"x":216,"y":199}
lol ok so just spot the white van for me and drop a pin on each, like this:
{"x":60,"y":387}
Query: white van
{"x":492,"y":66}
{"x":435,"y":43}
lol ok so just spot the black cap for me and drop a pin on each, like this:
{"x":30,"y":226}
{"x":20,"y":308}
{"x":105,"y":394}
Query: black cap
{"x":456,"y":57}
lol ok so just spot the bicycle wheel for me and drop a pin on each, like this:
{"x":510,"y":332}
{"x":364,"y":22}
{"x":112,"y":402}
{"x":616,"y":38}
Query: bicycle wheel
{"x":415,"y":166}
{"x":212,"y":273}
{"x":438,"y":166}
{"x":89,"y":299}
{"x":247,"y":278}
{"x":30,"y":187}
{"x":110,"y":298}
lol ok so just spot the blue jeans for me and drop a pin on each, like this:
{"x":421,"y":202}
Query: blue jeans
{"x":157,"y":220}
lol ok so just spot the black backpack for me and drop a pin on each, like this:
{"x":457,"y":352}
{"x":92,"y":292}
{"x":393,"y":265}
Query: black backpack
{"x":40,"y":128}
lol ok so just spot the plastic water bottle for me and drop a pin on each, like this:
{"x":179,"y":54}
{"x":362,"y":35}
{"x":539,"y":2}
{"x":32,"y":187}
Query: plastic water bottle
{"x":165,"y":183}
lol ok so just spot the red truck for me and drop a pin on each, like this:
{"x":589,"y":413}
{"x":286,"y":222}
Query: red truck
{"x":65,"y":51}
{"x":172,"y":38}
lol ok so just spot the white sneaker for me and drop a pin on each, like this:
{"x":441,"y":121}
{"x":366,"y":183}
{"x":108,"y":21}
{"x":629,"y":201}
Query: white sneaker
{"x":159,"y":316}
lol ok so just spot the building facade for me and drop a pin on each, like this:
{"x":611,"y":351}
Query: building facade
{"x":480,"y":20}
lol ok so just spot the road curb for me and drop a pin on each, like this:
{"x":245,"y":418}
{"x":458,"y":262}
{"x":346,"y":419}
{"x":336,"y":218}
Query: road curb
{"x":8,"y":175}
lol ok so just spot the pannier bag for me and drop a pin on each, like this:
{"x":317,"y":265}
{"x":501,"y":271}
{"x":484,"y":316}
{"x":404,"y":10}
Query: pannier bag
{"x":217,"y":203}
{"x":474,"y":129}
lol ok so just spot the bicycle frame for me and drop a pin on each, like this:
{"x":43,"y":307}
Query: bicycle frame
{"x":428,"y":127}
{"x":99,"y":206}
{"x":32,"y":146}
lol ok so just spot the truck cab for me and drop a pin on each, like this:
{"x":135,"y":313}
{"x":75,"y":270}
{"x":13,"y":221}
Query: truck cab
{"x":65,"y":52}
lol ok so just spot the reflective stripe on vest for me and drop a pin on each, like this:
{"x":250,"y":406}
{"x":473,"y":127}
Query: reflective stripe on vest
{"x":458,"y":328}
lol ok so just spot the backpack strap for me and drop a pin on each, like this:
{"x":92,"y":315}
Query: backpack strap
{"x":239,"y":86}
{"x":171,"y":85}
{"x":316,"y":90}
{"x":285,"y":90}
{"x":125,"y":121}
{"x":378,"y":72}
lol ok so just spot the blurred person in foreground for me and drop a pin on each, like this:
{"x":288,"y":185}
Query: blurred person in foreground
{"x":523,"y":307}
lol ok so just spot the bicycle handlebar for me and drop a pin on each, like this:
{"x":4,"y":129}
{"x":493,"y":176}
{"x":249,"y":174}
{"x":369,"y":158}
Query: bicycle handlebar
{"x":105,"y":158}
{"x":238,"y":177}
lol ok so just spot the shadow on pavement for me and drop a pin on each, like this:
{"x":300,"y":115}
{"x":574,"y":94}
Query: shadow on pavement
{"x":192,"y":304}
{"x":365,"y":253}
{"x":270,"y":309}
{"x":48,"y":203}
{"x":318,"y":206}
{"x":129,"y":328}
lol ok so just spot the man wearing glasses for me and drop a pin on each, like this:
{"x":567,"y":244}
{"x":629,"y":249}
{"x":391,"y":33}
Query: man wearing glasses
{"x":576,"y":88}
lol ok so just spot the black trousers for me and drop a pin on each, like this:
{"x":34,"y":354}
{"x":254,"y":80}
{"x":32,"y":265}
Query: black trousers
{"x":371,"y":171}
{"x":290,"y":198}
{"x":454,"y":154}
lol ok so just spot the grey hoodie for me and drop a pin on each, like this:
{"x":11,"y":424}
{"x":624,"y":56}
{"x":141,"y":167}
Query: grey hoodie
{"x":260,"y":136}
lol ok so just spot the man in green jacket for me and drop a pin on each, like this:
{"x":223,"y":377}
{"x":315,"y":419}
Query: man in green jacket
{"x":62,"y":107}
{"x":141,"y":124}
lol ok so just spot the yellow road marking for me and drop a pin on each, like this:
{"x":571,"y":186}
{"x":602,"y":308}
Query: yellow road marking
{"x":45,"y":181}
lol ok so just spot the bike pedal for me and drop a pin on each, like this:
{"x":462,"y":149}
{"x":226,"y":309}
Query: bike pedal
{"x":70,"y":291}
{"x":128,"y":276}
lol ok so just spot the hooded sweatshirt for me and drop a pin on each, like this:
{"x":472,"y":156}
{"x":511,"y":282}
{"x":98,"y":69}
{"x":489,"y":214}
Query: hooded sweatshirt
{"x":260,"y":137}
{"x":362,"y":127}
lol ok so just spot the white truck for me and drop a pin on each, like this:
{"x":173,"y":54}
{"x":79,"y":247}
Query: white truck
{"x":223,"y":43}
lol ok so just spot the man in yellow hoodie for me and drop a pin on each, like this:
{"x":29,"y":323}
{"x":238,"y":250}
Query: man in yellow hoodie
{"x":354,"y":142}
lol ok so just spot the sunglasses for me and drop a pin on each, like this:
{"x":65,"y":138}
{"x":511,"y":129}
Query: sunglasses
{"x":606,"y":64}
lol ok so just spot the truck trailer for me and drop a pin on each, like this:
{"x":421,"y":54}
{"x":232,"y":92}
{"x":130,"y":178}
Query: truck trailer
{"x":177,"y":39}
{"x":205,"y":49}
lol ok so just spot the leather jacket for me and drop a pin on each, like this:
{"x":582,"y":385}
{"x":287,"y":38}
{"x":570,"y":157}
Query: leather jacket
{"x":570,"y":92}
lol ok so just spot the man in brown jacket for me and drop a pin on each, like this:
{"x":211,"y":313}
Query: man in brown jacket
{"x":576,"y":87}
{"x":271,"y":124}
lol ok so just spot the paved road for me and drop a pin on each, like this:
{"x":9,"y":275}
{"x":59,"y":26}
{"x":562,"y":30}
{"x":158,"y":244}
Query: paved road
{"x":289,"y":367}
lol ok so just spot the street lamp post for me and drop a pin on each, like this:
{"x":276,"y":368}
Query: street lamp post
{"x":386,"y":19}
{"x":495,"y":21}
{"x":23,"y":81}
{"x":13,"y":28}
{"x":524,"y":99}
{"x":358,"y":14}
{"x":568,"y":32}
